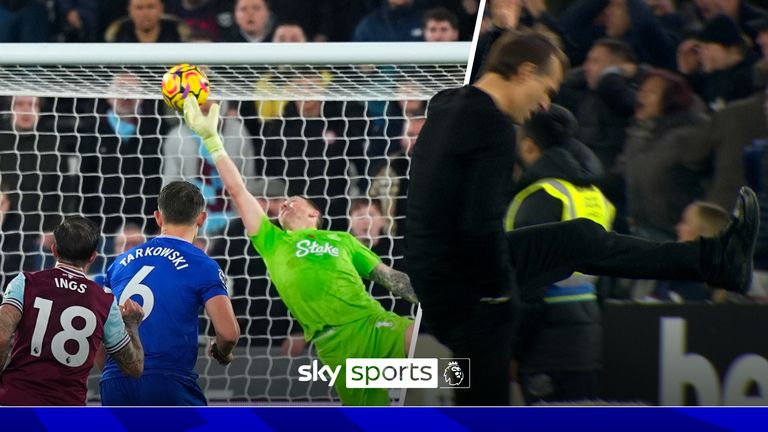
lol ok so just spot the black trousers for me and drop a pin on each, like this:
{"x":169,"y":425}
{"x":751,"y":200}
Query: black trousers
{"x":542,"y":255}
{"x":560,"y":386}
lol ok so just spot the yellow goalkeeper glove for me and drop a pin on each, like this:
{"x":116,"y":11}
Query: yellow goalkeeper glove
{"x":205,"y":126}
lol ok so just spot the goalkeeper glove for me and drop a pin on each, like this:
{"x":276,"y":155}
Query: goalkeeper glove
{"x":205,"y":126}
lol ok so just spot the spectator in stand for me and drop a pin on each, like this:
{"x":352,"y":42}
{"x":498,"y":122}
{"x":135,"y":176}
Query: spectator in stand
{"x":185,"y":159}
{"x":395,"y":21}
{"x":699,"y":219}
{"x":368,"y":225}
{"x":723,"y":140}
{"x":23,"y":21}
{"x":253,"y":22}
{"x":81,"y":20}
{"x":631,"y":21}
{"x":109,"y":12}
{"x":146,"y":23}
{"x":346,"y":15}
{"x":662,"y":173}
{"x":120,"y":157}
{"x":290,"y":32}
{"x":666,"y":12}
{"x":718,"y":63}
{"x":208,"y":16}
{"x":743,"y":13}
{"x":128,"y":238}
{"x":385,"y":140}
{"x":256,"y":114}
{"x":19,"y":250}
{"x":315,"y":17}
{"x":440,"y":25}
{"x":514,"y":15}
{"x":389,"y":183}
{"x":465,"y":11}
{"x":31,"y":167}
{"x":602,"y":96}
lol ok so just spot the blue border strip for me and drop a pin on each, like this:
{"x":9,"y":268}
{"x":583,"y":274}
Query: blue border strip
{"x":571,"y":419}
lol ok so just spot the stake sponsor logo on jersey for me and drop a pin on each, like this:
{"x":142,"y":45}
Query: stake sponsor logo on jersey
{"x":306,"y":247}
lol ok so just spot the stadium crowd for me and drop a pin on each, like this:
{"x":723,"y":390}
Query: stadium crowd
{"x":668,"y":100}
{"x":235,"y":20}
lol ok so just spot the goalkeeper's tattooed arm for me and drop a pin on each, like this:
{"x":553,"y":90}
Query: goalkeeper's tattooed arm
{"x":9,"y":320}
{"x":207,"y":128}
{"x":395,"y":281}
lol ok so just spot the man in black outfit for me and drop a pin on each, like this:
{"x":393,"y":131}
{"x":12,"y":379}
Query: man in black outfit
{"x":466,"y":271}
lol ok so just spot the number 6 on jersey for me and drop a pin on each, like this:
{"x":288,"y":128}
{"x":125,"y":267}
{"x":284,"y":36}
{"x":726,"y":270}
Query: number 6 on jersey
{"x":135,"y":287}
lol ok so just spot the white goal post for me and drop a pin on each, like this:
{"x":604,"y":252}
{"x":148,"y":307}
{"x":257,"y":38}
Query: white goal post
{"x":24,"y":67}
{"x":84,"y":130}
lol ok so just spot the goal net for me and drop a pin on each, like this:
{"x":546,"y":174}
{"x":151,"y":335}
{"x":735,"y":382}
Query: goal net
{"x":84,"y":130}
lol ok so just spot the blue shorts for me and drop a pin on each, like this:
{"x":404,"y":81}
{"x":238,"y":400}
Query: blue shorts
{"x":152,"y":390}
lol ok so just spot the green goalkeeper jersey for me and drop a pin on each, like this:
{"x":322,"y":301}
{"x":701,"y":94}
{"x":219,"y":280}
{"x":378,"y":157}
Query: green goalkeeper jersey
{"x":318,"y":274}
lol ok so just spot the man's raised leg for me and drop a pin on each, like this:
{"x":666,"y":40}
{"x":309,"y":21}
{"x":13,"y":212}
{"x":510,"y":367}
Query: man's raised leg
{"x":548,"y":253}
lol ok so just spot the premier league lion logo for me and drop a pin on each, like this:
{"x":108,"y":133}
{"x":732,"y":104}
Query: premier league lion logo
{"x":453,"y":374}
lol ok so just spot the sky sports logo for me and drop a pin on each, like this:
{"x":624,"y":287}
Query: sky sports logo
{"x":393,"y":373}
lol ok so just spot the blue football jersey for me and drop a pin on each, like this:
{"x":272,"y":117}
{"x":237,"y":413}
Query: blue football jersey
{"x":172,"y":279}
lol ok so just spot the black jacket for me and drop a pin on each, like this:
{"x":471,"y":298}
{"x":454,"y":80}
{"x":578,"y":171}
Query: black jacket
{"x":603,"y":113}
{"x":562,"y":336}
{"x":723,"y":86}
{"x":461,"y":168}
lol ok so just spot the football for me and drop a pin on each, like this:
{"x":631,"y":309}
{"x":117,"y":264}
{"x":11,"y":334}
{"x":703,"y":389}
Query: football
{"x":184,"y":80}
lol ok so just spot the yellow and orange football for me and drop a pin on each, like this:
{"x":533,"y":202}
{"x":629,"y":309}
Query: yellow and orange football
{"x":184,"y":80}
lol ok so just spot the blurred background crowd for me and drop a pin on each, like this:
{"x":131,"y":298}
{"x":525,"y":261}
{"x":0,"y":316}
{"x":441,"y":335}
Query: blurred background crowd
{"x":233,"y":20}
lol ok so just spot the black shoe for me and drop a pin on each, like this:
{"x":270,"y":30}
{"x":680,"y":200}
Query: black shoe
{"x":738,"y":242}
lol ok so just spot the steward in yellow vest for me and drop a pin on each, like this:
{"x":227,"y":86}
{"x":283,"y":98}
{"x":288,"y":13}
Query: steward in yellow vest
{"x":560,"y":346}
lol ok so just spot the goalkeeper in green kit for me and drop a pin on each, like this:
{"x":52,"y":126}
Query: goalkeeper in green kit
{"x":317,"y":273}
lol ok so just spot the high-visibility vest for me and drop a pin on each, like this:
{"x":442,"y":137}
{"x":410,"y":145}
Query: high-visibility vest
{"x":578,"y":202}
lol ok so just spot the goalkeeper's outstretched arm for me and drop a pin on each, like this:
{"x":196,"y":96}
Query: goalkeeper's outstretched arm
{"x":207,"y":127}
